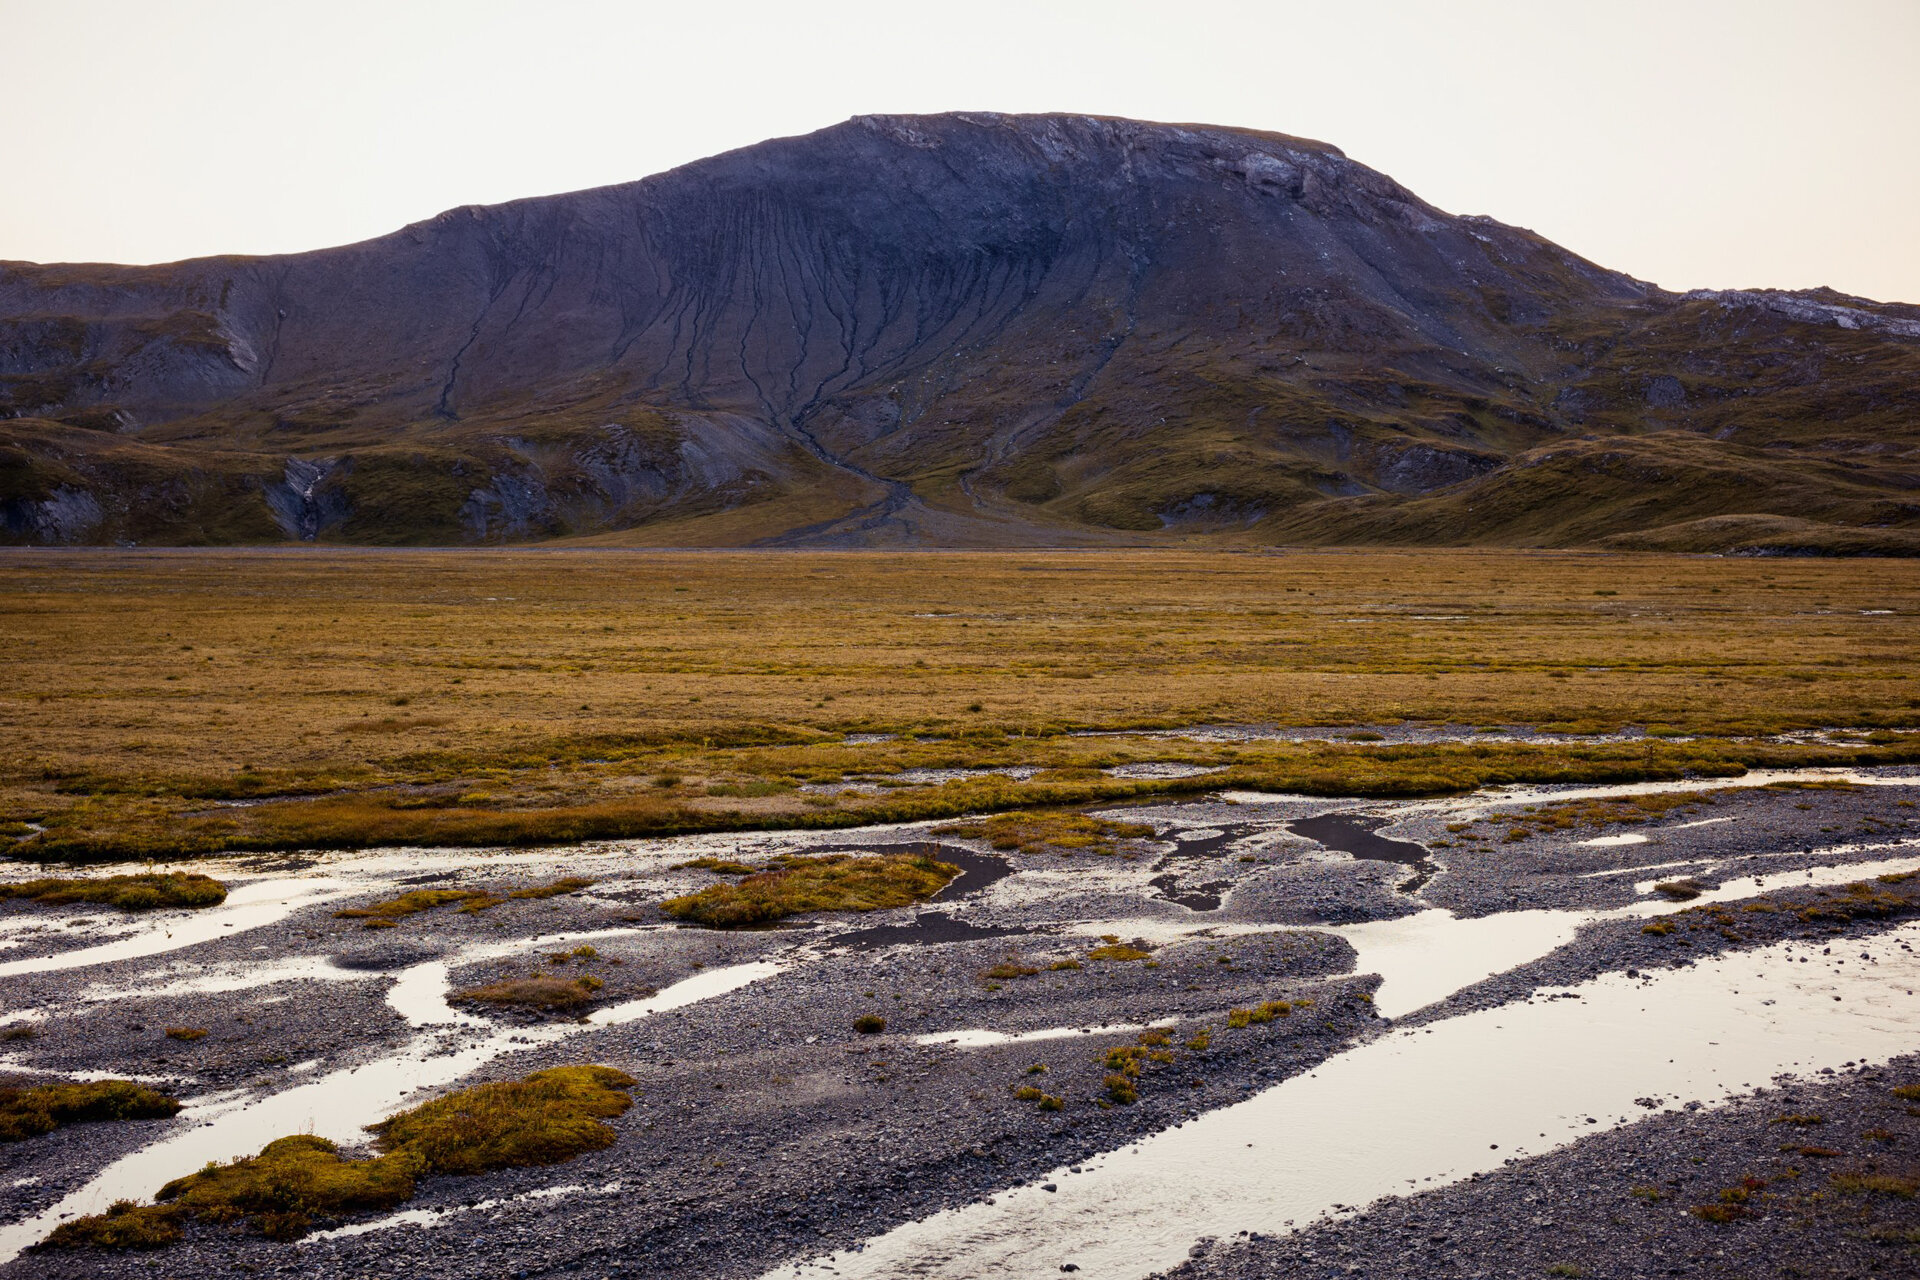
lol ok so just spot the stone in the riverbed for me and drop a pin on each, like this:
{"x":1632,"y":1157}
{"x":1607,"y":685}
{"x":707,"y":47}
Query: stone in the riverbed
{"x":379,"y":959}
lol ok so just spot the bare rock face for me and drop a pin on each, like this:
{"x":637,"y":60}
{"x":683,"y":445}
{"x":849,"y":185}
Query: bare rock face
{"x":970,"y":329}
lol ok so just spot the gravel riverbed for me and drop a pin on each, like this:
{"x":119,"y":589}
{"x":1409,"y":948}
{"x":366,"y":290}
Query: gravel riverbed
{"x":766,"y":1129}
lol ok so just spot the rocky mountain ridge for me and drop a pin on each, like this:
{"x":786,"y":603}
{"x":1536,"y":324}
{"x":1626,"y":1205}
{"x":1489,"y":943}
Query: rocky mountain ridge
{"x":968,"y":330}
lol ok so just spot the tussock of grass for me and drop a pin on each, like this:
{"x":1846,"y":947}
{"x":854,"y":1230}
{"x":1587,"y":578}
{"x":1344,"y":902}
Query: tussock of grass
{"x":30,"y":1112}
{"x":1720,"y":1213}
{"x":1884,"y":1184}
{"x":1008,"y":969}
{"x":129,"y":893}
{"x":468,"y":901}
{"x":547,"y":1118}
{"x":1267,"y":1012}
{"x":1118,"y":952}
{"x":125,"y":1225}
{"x":1571,"y":814}
{"x":1124,"y":1065}
{"x":417,"y":901}
{"x":1681,"y":890}
{"x":186,"y":1033}
{"x":1050,"y":831}
{"x":292,"y":1180}
{"x":836,"y":882}
{"x":719,"y":866}
{"x":557,"y":995}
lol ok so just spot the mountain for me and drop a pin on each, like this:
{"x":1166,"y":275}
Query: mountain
{"x":967,"y":330}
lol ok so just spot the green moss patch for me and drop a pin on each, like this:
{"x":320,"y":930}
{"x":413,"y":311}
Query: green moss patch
{"x":838,"y":882}
{"x":558,"y":995}
{"x":28,"y":1113}
{"x":547,"y":1118}
{"x":292,"y":1181}
{"x":129,"y":893}
{"x":1050,"y":831}
{"x":468,"y":901}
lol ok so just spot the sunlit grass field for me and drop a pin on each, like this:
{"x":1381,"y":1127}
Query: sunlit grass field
{"x":519,"y":696}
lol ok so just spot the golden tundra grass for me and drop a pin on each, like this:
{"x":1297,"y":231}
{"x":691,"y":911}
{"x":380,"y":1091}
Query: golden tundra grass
{"x":525,"y":696}
{"x":547,"y":1118}
{"x":129,"y":893}
{"x":29,"y":1111}
{"x":838,"y":882}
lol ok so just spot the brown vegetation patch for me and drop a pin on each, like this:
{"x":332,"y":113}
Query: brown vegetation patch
{"x":1238,"y":1019}
{"x":834,"y":882}
{"x":1118,"y":952}
{"x":468,"y":901}
{"x":559,"y":995}
{"x":1050,"y":831}
{"x":29,"y":1112}
{"x":1882,"y":1184}
{"x":547,"y":1118}
{"x":719,"y":866}
{"x":129,"y":893}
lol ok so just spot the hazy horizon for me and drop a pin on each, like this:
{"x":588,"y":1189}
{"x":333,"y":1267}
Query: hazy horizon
{"x":1702,"y":144}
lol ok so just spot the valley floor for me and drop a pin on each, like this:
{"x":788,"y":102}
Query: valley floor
{"x":1451,"y":913}
{"x":173,"y":703}
{"x":768,"y":1131}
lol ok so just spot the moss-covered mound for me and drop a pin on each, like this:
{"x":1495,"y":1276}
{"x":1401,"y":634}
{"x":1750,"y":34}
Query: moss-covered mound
{"x":28,"y":1113}
{"x":836,"y":882}
{"x":468,"y":901}
{"x":547,"y":1118}
{"x":129,"y":893}
{"x":1050,"y":831}
{"x":562,"y":995}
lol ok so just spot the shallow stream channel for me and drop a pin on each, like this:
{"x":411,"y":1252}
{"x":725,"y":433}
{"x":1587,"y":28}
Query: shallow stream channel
{"x":1350,"y":1001}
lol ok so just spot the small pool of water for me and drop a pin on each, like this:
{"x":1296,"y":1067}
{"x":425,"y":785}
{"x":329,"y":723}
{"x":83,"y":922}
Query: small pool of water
{"x":1355,"y":835}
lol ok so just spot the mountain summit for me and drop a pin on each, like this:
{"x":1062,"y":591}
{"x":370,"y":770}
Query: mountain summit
{"x":970,"y":330}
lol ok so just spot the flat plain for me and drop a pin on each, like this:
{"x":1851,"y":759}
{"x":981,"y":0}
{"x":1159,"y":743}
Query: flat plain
{"x":354,"y":698}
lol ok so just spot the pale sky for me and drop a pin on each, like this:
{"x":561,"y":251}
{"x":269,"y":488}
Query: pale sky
{"x":1694,"y":143}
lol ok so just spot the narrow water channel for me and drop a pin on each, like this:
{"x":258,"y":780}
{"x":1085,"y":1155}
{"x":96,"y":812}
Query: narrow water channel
{"x":1430,"y":1106}
{"x":338,"y":1105}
